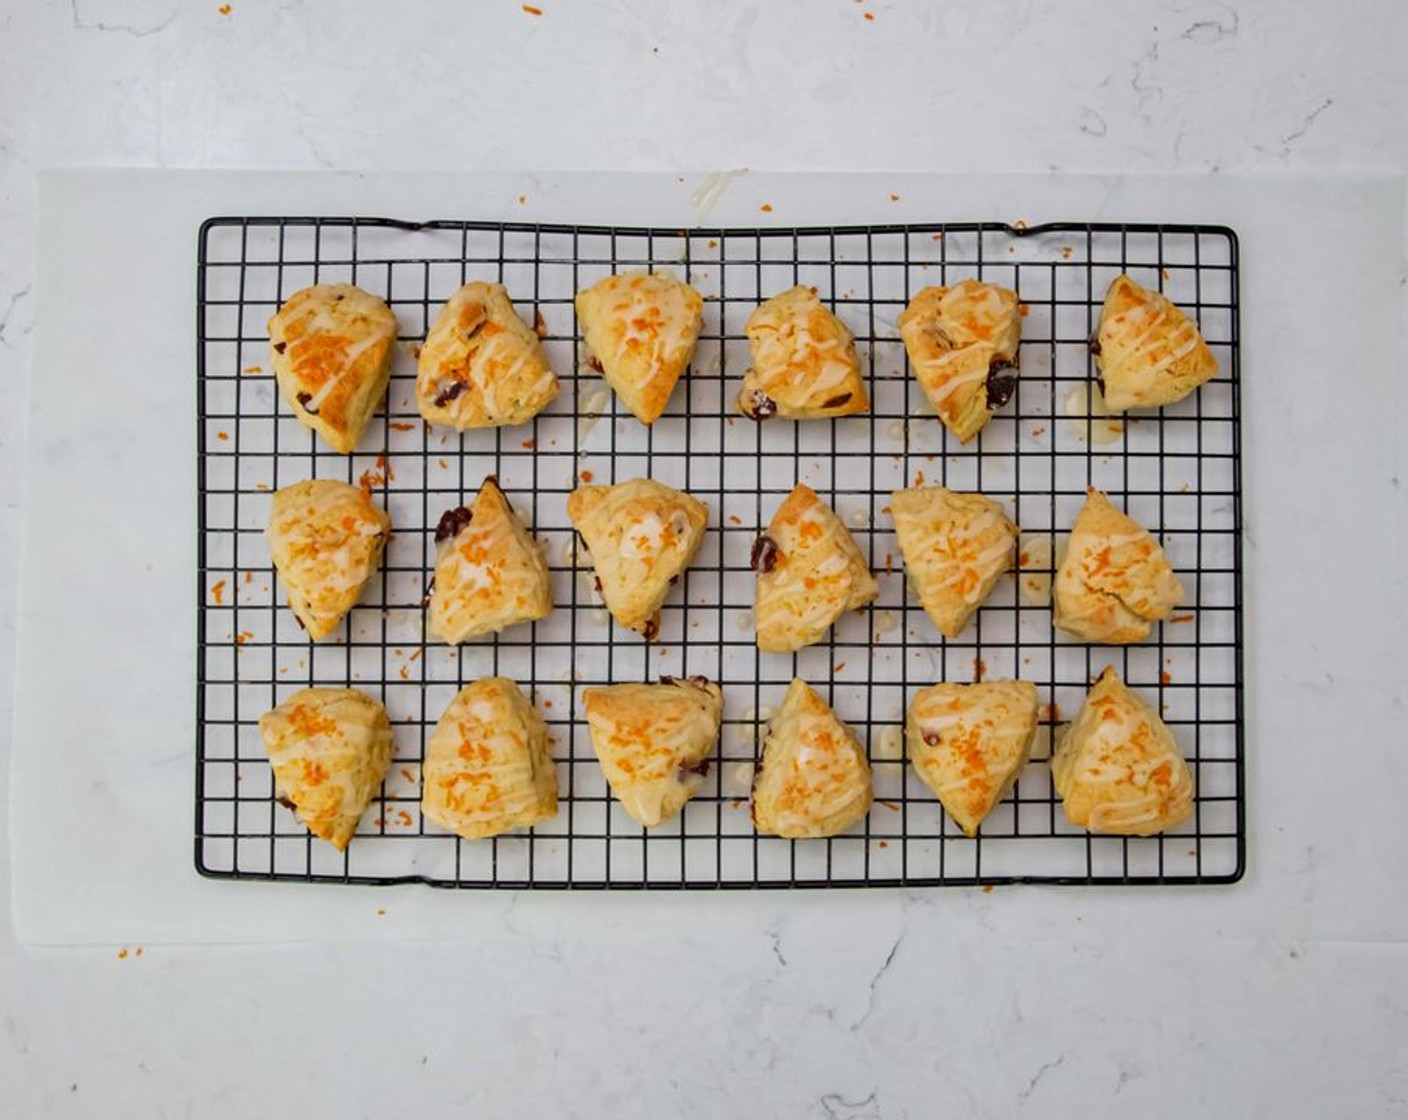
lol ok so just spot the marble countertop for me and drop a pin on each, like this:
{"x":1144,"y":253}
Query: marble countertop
{"x":878,"y":1005}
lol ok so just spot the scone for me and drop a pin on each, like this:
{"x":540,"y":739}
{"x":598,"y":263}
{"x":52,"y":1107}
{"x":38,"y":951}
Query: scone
{"x":329,"y":749}
{"x":326,"y":538}
{"x":963,"y":343}
{"x":641,"y":327}
{"x":654,"y":741}
{"x":814,"y":779}
{"x":481,"y":365}
{"x":489,"y":570}
{"x":955,"y":547}
{"x":332,"y":346}
{"x":1118,"y":768}
{"x":1147,"y":351}
{"x":969,"y":742}
{"x":1115,"y":581}
{"x":804,"y":361}
{"x":488,"y":768}
{"x":809,"y":573}
{"x":642,"y":536}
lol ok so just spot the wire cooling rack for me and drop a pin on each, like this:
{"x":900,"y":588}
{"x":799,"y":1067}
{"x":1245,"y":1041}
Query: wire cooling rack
{"x":1176,"y":471}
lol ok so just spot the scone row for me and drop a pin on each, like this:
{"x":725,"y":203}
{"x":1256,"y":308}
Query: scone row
{"x":327,"y":539}
{"x":481,"y":365}
{"x":488,"y":767}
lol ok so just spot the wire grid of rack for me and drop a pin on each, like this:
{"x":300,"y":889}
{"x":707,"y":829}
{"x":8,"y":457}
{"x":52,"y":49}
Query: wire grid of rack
{"x":1176,"y":470}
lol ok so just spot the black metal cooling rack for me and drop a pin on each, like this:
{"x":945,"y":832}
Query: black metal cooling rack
{"x":1177,"y":471}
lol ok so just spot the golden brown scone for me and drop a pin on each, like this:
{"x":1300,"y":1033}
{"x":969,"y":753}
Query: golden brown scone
{"x":814,"y":779}
{"x":329,"y":749}
{"x":489,"y":571}
{"x":641,"y":327}
{"x":326,"y":539}
{"x":956,"y":546}
{"x":804,"y":361}
{"x":332,"y":358}
{"x":810,"y":572}
{"x":488,"y":767}
{"x":654,"y":741}
{"x":963,"y":344}
{"x":1118,"y":768}
{"x":642,"y":536}
{"x":481,"y":365}
{"x":1115,"y":581}
{"x":1148,"y":352}
{"x":969,"y":742}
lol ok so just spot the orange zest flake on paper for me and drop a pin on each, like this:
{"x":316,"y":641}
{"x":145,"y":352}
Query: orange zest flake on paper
{"x":1165,"y":677}
{"x":1066,"y":253}
{"x":918,"y":478}
{"x":522,"y":200}
{"x":540,"y":325}
{"x":891,"y":805}
{"x":380,"y":912}
{"x":529,"y":444}
{"x":713,"y":243}
{"x":442,"y":464}
{"x":224,"y":9}
{"x":1037,"y":432}
{"x":243,"y":636}
{"x":1182,"y":618}
{"x":889,"y":563}
{"x":122,"y":954}
{"x":882,"y":843}
{"x":838,"y":667}
{"x":217,"y":592}
{"x":870,"y":15}
{"x":416,"y":656}
{"x":405,"y":672}
{"x":261,"y":486}
{"x":894,"y":197}
{"x":408,"y":776}
{"x":222,"y":435}
{"x":979,"y":668}
{"x":404,"y":818}
{"x":766,"y":208}
{"x":254,"y":369}
{"x":987,"y":888}
{"x":1024,"y":310}
{"x":586,"y":476}
{"x":403,"y":425}
{"x":532,"y":11}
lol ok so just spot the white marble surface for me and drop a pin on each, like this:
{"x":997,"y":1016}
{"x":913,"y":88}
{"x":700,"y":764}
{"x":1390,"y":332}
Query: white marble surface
{"x":875,"y":1006}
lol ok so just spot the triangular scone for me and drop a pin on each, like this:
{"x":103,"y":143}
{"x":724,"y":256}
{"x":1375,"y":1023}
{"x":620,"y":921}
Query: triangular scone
{"x":955,"y":547}
{"x":804,"y":361}
{"x":641,"y":327}
{"x":809,"y":573}
{"x":1118,"y":768}
{"x":1148,"y":352}
{"x":654,"y":741}
{"x":329,"y":749}
{"x":642,"y":536}
{"x":1115,"y":581}
{"x":963,"y":343}
{"x":332,"y":358}
{"x":481,"y":365}
{"x":814,"y":779}
{"x":488,"y":768}
{"x":489,"y":570}
{"x":326,"y":538}
{"x":968,"y":743}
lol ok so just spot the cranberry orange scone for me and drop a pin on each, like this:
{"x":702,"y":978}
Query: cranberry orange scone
{"x":642,"y":535}
{"x":481,"y":365}
{"x":969,"y":742}
{"x":1115,"y":581}
{"x":641,"y":327}
{"x":329,"y":749}
{"x":814,"y":779}
{"x":332,"y":348}
{"x":326,"y":538}
{"x":1118,"y":768}
{"x":489,"y":570}
{"x":963,"y":342}
{"x":955,"y":547}
{"x":488,"y":767}
{"x":810,"y":572}
{"x":654,"y":741}
{"x":804,"y":361}
{"x":1147,"y":351}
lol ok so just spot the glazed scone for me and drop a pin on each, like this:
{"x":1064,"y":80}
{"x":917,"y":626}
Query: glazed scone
{"x":326,"y":538}
{"x":332,"y":346}
{"x":804,"y":361}
{"x":814,"y":779}
{"x":1147,"y":351}
{"x":810,"y":572}
{"x":969,"y":742}
{"x":955,"y":546}
{"x":329,"y":749}
{"x":1117,"y":768}
{"x":654,"y":741}
{"x":488,"y":768}
{"x":642,"y":536}
{"x":641,"y":328}
{"x":489,"y":570}
{"x":481,"y":365}
{"x":1115,"y":581}
{"x":963,"y":344}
